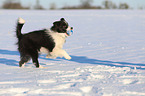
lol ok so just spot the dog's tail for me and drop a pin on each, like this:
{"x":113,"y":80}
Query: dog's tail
{"x":20,"y":24}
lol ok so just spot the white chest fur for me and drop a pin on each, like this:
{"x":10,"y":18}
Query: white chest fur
{"x":59,"y":39}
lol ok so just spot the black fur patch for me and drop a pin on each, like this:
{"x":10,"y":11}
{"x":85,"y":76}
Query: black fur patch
{"x":60,"y":26}
{"x":30,"y":45}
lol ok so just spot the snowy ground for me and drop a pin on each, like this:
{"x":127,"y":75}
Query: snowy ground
{"x":107,"y":50}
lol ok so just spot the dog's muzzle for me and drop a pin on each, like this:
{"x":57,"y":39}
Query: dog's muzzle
{"x":69,"y":31}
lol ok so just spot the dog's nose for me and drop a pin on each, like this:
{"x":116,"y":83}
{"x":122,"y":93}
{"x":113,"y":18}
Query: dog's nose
{"x":71,"y":28}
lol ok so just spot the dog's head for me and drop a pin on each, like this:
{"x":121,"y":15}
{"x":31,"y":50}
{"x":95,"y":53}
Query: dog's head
{"x":61,"y":26}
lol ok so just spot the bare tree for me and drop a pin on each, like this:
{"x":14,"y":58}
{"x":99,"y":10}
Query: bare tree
{"x":38,"y":6}
{"x":107,"y":4}
{"x":86,"y":3}
{"x":52,"y":6}
{"x":123,"y":6}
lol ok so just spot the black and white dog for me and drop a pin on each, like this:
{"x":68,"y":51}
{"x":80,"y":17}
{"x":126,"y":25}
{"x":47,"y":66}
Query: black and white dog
{"x":49,"y":41}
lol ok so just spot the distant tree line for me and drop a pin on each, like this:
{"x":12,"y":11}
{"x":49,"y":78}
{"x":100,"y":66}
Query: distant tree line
{"x":110,"y":5}
{"x":84,"y":4}
{"x":107,"y":4}
{"x":12,"y":4}
{"x":16,"y":4}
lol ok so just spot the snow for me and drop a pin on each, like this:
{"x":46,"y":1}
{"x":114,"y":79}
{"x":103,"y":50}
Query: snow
{"x":107,"y":50}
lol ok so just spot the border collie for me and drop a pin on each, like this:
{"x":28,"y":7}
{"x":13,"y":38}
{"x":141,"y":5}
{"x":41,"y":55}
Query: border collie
{"x":49,"y":41}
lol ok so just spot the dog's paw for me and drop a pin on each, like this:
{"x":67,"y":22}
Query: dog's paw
{"x":68,"y":58}
{"x":41,"y":67}
{"x":51,"y":57}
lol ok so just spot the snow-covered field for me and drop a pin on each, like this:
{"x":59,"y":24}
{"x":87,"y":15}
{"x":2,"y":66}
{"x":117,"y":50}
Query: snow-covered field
{"x":107,"y":50}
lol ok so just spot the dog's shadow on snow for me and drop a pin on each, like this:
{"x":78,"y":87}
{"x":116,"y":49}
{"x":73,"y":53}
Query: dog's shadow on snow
{"x":7,"y":61}
{"x":84,"y":59}
{"x":78,"y":59}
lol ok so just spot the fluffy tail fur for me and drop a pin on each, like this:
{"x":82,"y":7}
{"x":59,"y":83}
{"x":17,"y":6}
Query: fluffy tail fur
{"x":20,"y":24}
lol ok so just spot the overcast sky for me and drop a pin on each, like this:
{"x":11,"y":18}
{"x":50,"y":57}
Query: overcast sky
{"x":60,"y":3}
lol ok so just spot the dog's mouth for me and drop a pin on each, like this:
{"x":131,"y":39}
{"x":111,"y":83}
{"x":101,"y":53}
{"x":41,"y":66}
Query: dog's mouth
{"x":69,"y":31}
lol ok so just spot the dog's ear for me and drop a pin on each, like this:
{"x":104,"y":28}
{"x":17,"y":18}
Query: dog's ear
{"x":62,"y":19}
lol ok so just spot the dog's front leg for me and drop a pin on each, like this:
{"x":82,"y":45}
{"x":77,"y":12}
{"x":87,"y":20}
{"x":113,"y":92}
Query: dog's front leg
{"x":60,"y":53}
{"x":65,"y":54}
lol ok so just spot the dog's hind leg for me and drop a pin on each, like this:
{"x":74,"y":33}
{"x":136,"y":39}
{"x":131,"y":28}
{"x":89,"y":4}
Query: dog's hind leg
{"x":24,"y":59}
{"x":35,"y":62}
{"x":35,"y":59}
